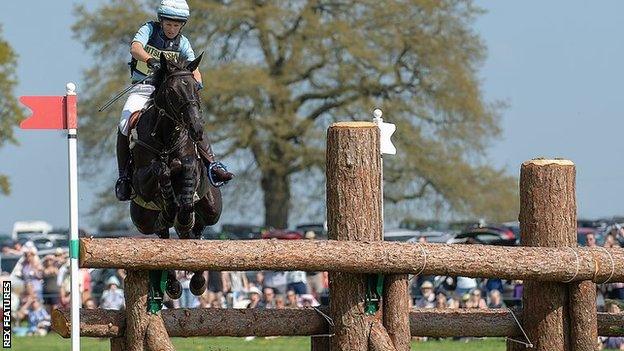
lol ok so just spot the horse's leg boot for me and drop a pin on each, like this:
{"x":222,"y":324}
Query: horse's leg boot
{"x":123,"y":186}
{"x":198,"y":283}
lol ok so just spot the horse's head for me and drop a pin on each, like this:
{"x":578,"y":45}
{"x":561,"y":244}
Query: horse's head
{"x":177,"y":93}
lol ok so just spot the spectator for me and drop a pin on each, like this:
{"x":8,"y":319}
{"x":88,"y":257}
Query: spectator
{"x":50,"y":286}
{"x":205,"y":300}
{"x":32,"y":271}
{"x":428,"y":298}
{"x":307,"y":300}
{"x":275,"y":280}
{"x":441,"y":301}
{"x":612,"y":342}
{"x":16,"y":250}
{"x":280,"y":302}
{"x":112,"y":297}
{"x":216,"y":281}
{"x":475,"y":300}
{"x":187,"y":299}
{"x":590,"y":238}
{"x":255,"y":297}
{"x":89,"y":304}
{"x":291,"y":299}
{"x":269,"y":298}
{"x":236,"y":284}
{"x":465,"y":285}
{"x":496,"y":300}
{"x":38,"y":317}
{"x":610,"y":242}
{"x":297,"y":281}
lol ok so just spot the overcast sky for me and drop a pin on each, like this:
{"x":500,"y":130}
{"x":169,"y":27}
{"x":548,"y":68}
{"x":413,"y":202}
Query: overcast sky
{"x":558,"y":64}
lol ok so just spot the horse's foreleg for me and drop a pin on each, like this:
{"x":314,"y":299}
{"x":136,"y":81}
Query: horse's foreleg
{"x":167,"y":216}
{"x":186,"y":215}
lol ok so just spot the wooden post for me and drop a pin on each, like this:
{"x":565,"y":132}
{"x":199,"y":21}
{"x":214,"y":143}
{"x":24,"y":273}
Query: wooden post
{"x":396,"y":310}
{"x":319,"y":343}
{"x":144,"y":331}
{"x":353,"y":213}
{"x":583,"y":321}
{"x":118,"y":344}
{"x":547,"y":218}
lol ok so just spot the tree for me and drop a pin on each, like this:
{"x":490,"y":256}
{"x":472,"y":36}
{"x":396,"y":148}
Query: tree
{"x":10,"y":112}
{"x":282,"y":71}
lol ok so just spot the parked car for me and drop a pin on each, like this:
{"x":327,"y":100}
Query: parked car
{"x":319,"y":229}
{"x":489,"y":235}
{"x":283,"y":234}
{"x":403,"y":235}
{"x":242,"y":231}
{"x":432,"y":237}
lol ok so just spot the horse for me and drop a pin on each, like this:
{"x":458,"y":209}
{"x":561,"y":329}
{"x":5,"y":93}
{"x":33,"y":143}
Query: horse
{"x":169,"y":153}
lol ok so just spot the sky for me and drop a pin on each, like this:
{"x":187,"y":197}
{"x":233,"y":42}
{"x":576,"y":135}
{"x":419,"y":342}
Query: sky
{"x":557,"y":65}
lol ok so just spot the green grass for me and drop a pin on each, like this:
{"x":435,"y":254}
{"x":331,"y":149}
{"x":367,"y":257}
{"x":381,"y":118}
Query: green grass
{"x":55,"y":343}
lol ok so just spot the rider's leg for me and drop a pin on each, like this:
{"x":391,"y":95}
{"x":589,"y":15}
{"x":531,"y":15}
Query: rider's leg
{"x":137,"y":99}
{"x":123,"y":187}
{"x":221,"y":175}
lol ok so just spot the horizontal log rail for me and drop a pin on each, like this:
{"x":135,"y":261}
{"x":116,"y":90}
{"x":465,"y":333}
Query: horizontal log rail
{"x":306,"y":322}
{"x":527,"y":263}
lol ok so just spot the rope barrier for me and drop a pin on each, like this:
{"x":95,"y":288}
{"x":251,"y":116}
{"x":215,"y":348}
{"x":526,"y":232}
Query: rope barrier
{"x":329,"y":321}
{"x":528,"y":344}
{"x":577,"y":266}
{"x":612,"y":265}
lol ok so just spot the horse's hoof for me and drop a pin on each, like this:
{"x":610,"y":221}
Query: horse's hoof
{"x":198,"y":284}
{"x":174,"y":289}
{"x":163,"y":234}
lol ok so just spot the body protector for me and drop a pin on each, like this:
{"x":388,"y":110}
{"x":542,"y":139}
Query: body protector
{"x":157,"y":43}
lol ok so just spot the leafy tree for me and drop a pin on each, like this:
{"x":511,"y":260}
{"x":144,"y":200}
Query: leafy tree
{"x":281,"y":71}
{"x":10,"y":112}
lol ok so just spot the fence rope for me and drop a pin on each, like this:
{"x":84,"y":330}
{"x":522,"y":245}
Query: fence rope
{"x":329,"y":321}
{"x":578,"y":264}
{"x":612,"y":264}
{"x":528,"y":344}
{"x":422,"y":248}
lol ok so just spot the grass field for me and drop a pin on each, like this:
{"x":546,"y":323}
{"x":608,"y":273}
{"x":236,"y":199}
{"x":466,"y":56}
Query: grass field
{"x":55,"y":343}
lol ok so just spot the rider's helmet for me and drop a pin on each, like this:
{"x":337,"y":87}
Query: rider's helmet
{"x":176,"y":10}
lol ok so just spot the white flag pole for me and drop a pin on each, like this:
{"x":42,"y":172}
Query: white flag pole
{"x":386,"y":147}
{"x":73,"y":230}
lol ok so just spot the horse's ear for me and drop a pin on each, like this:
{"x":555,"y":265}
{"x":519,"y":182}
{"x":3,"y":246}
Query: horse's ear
{"x":192,"y":66}
{"x":164,"y":62}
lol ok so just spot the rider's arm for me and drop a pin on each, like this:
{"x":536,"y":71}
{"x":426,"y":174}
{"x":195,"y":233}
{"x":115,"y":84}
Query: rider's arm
{"x":137,"y":51}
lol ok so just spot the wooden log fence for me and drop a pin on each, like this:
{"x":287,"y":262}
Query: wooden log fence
{"x":525,"y":263}
{"x":196,"y":322}
{"x":559,"y":312}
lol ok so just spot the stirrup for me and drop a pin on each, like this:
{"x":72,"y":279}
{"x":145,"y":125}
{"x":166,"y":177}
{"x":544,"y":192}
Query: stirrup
{"x":124,"y":194}
{"x":211,"y":176}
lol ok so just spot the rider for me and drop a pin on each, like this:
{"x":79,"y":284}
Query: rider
{"x":152,"y":39}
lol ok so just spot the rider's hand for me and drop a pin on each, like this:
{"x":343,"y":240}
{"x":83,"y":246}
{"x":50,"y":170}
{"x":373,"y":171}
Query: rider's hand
{"x":199,"y":85}
{"x":153,"y":64}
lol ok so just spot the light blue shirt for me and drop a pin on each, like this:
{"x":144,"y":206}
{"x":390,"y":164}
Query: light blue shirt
{"x":143,"y":36}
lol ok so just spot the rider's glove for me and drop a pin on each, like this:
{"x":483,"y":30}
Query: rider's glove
{"x":153,"y":64}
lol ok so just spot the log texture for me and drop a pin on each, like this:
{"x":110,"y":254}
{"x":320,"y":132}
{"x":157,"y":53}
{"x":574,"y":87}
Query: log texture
{"x":353,"y":213}
{"x":547,"y":205}
{"x":396,"y":310}
{"x":144,"y":331}
{"x":583,"y":323}
{"x":306,"y":322}
{"x":487,"y":261}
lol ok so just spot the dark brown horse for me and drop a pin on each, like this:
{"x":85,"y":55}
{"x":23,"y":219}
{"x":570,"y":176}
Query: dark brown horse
{"x":170,"y":156}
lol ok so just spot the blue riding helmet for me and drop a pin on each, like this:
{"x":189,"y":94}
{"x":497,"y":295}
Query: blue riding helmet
{"x":176,"y":10}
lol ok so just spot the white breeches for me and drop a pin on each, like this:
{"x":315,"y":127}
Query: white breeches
{"x":137,"y":99}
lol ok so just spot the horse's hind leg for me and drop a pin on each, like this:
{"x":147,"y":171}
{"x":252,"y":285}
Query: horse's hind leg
{"x":173,"y":288}
{"x":208,"y":208}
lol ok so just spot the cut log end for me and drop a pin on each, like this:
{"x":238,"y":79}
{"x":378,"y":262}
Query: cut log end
{"x":546,"y":161}
{"x":60,"y":324}
{"x":354,"y":124}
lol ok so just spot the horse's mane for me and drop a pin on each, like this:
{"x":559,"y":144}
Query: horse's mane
{"x":174,"y":66}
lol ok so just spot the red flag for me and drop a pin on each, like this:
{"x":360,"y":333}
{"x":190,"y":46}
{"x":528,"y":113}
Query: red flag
{"x":50,"y":112}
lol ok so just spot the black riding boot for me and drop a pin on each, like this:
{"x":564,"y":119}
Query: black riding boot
{"x":220,"y":174}
{"x":123,"y":187}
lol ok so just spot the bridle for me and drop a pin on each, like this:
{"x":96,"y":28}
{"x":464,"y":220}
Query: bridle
{"x":175,"y":117}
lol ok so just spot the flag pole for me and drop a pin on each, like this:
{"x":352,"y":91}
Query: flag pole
{"x":70,"y":109}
